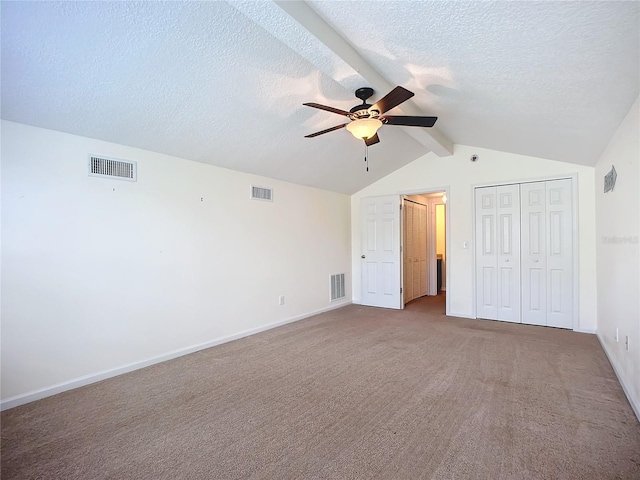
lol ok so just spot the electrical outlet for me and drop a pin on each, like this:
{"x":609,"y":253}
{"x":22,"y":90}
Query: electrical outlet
{"x":281,"y":300}
{"x":626,"y":342}
{"x":617,"y":335}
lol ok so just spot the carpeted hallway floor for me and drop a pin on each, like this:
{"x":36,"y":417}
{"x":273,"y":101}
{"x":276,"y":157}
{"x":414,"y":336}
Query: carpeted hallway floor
{"x":356,"y":393}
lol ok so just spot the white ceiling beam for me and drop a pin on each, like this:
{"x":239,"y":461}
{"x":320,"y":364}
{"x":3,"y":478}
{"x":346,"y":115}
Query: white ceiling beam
{"x":309,"y":19}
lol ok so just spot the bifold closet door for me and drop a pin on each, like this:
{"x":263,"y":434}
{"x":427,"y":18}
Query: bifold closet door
{"x":407,"y":252}
{"x":547,"y":253}
{"x":415,"y":251}
{"x":508,"y":226}
{"x":560,"y":254}
{"x":422,"y":254}
{"x":534,"y":253}
{"x":498,"y":253}
{"x":486,"y":254}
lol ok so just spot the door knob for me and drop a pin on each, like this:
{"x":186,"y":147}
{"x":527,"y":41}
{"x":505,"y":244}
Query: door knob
{"x":506,"y":259}
{"x":362,"y":256}
{"x":536,"y":260}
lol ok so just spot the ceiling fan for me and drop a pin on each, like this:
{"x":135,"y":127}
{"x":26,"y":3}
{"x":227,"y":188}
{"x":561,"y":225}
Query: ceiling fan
{"x":366,"y":119}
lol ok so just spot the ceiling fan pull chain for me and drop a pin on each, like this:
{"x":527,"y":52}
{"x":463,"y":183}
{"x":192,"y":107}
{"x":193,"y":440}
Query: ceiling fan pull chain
{"x":366,"y":155}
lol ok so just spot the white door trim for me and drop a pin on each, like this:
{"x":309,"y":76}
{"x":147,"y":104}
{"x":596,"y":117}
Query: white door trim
{"x":447,"y":227}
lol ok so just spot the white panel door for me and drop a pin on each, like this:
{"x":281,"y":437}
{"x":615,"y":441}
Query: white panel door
{"x":508,"y":255}
{"x":486,"y":254}
{"x":380,"y":224}
{"x":524,"y":253}
{"x":559,"y":226}
{"x":534,"y":253}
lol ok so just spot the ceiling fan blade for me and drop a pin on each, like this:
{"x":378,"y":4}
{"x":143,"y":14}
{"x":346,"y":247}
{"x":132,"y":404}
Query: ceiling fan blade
{"x":328,"y":109}
{"x":337,"y":127}
{"x":372,"y":140}
{"x":410,"y":121}
{"x":394,"y":98}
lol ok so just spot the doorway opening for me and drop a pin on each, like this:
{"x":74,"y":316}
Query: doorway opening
{"x":424,"y":253}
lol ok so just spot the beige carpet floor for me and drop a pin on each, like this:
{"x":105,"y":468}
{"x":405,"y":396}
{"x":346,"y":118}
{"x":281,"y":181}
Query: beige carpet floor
{"x":356,"y":393}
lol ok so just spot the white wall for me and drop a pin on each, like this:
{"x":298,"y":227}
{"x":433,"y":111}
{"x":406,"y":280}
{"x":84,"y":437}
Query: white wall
{"x":618,"y":231}
{"x":459,"y":174}
{"x":100,"y":275}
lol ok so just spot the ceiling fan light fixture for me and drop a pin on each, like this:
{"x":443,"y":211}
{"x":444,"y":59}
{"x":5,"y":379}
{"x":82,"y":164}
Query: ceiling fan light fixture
{"x":363,"y":128}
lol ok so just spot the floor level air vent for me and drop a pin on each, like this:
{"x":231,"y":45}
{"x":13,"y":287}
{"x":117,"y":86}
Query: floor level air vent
{"x":112,"y":168}
{"x":337,"y":286}
{"x":261,"y":193}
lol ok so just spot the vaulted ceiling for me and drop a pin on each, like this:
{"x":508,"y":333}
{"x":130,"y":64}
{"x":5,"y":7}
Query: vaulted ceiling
{"x":224,"y":82}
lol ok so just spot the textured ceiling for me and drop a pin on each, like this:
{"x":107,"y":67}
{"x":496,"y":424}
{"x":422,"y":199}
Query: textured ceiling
{"x":223,"y":83}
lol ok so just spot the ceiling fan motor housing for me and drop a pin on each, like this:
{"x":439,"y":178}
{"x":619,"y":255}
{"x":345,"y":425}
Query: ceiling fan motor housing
{"x":364,"y":93}
{"x":362,"y":110}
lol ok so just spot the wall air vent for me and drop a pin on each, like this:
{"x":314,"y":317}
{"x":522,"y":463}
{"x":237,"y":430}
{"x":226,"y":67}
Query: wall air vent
{"x":261,"y":193}
{"x":113,"y":168}
{"x":337,"y":286}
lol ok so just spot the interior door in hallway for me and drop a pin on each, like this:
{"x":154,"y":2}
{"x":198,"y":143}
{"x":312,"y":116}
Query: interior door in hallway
{"x":380,"y":257}
{"x":407,"y":250}
{"x":422,"y":252}
{"x":414,"y":251}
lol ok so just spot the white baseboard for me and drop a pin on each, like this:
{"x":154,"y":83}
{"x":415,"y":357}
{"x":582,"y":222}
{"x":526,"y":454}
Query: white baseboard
{"x":460,"y":315}
{"x":18,"y":400}
{"x":635,"y":406}
{"x":592,"y":331}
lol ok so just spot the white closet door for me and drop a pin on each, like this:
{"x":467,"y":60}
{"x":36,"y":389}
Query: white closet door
{"x":559,"y":225}
{"x":534,"y":253}
{"x":486,"y":254}
{"x":524,"y":253}
{"x":508,"y":255}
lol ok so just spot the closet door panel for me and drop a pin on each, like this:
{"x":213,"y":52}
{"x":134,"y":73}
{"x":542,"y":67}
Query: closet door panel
{"x":534,"y":253}
{"x":559,"y":225}
{"x":486,"y":253}
{"x":508,"y":255}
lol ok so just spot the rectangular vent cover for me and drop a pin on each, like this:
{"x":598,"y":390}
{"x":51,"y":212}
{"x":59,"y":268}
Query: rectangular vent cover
{"x":261,"y":193}
{"x":337,"y":286}
{"x":112,"y":168}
